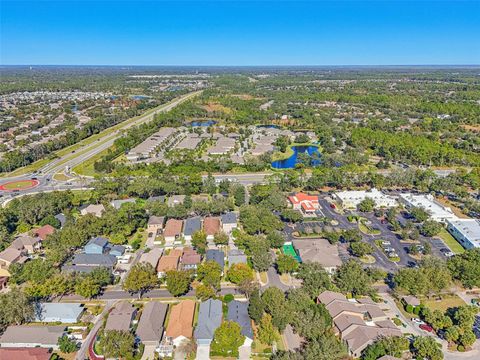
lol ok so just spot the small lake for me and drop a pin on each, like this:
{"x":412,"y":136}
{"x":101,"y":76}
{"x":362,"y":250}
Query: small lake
{"x":311,"y":151}
{"x":268,"y":126}
{"x":203,"y":123}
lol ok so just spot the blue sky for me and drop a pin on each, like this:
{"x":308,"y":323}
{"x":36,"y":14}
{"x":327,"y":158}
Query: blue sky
{"x":240,"y":32}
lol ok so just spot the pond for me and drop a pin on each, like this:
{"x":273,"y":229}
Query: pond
{"x":268,"y":126}
{"x":203,"y":123}
{"x":310,"y":150}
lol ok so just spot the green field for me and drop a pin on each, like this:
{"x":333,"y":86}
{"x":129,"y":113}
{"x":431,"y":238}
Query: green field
{"x":19,"y":185}
{"x":289,"y":250}
{"x":453,"y":244}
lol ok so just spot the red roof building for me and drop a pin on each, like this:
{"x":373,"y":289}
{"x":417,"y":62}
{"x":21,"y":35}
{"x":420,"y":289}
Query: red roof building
{"x":307,"y":204}
{"x":25,"y":353}
{"x":44,"y":231}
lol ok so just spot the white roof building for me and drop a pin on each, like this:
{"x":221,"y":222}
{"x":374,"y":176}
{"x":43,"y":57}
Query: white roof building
{"x":466,"y":231}
{"x":351,"y":199}
{"x":437,"y":211}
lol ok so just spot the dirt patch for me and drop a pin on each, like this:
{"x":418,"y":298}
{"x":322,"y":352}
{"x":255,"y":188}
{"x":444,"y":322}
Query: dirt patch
{"x":213,"y":107}
{"x":474,"y":128}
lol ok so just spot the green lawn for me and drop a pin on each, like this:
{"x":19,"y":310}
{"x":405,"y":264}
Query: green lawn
{"x":21,"y":184}
{"x":445,"y":303}
{"x":453,"y":244}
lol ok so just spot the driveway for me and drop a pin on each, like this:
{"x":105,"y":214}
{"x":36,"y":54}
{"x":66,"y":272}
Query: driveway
{"x":203,"y":352}
{"x":149,"y":352}
{"x":292,"y":341}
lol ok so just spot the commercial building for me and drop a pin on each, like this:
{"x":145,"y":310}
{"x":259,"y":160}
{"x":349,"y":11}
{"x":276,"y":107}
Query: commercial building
{"x":351,"y":199}
{"x":319,"y":251}
{"x":437,"y":211}
{"x":306,"y":204}
{"x":466,"y":232}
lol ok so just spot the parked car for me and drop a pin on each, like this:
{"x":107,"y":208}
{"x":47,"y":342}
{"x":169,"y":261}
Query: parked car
{"x":426,"y":327}
{"x":418,"y":321}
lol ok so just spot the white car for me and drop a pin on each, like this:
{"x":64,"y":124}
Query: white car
{"x":418,"y":321}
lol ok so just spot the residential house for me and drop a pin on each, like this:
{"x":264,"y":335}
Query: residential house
{"x":58,"y":312}
{"x":238,"y":312}
{"x":96,"y":245}
{"x":306,"y":204}
{"x":28,"y":243}
{"x":116,"y":250}
{"x":358,"y":322}
{"x":121,"y":316}
{"x":180,"y":323}
{"x":319,"y":251}
{"x":211,"y":225}
{"x":152,"y":256}
{"x":62,"y":218}
{"x":209,"y":319}
{"x":172,"y":231}
{"x":150,"y":326}
{"x":167,"y":263}
{"x":190,"y":259}
{"x":175,"y":200}
{"x":216,"y":255}
{"x":229,"y":222}
{"x":236,"y":256}
{"x":96,"y":210}
{"x":44,"y":231}
{"x":117,"y":204}
{"x":25,"y":353}
{"x":192,"y":225}
{"x":24,"y":336}
{"x":155,"y":224}
{"x":4,"y":276}
{"x":11,"y":256}
{"x":86,"y":263}
{"x":411,"y":300}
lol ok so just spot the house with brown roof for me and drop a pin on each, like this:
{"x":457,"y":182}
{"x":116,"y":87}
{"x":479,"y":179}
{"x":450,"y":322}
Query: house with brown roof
{"x":11,"y":256}
{"x":4,"y":276}
{"x":211,"y":225}
{"x":44,"y":231}
{"x":152,"y":257}
{"x":155,"y":224}
{"x":358,"y":322}
{"x":150,"y":326}
{"x":28,"y":243}
{"x":96,"y":210}
{"x":172,"y":231}
{"x":190,"y":259}
{"x":121,"y":316}
{"x":25,"y":353}
{"x":319,"y":251}
{"x":180,"y":323}
{"x":167,"y":263}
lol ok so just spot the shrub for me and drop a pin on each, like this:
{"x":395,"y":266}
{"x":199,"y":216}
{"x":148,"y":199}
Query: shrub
{"x":409,"y":309}
{"x":228,"y":298}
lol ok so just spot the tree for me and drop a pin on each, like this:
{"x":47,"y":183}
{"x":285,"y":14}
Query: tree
{"x":286,"y":264}
{"x":117,"y":344}
{"x":466,"y":268}
{"x":267,"y":333}
{"x":220,"y":238}
{"x":67,"y":345}
{"x":204,"y":292}
{"x":291,"y":216}
{"x":15,"y":308}
{"x":258,"y":220}
{"x":328,"y":347}
{"x":299,"y":299}
{"x":256,"y":307}
{"x":315,"y":278}
{"x":261,"y":259}
{"x":366,"y":205}
{"x":227,"y":339}
{"x":464,"y":316}
{"x":468,"y":338}
{"x":351,"y":235}
{"x":452,"y":334}
{"x":239,"y":273}
{"x":276,"y":305}
{"x":427,"y":348}
{"x":210,"y":273}
{"x":438,"y":320}
{"x":350,"y":277}
{"x":361,"y":249}
{"x":419,"y":214}
{"x":392,"y":346}
{"x":312,"y":322}
{"x":178,"y":282}
{"x":239,"y":194}
{"x":275,"y":239}
{"x":87,"y":287}
{"x":141,"y":278}
{"x":431,"y":228}
{"x":199,"y":241}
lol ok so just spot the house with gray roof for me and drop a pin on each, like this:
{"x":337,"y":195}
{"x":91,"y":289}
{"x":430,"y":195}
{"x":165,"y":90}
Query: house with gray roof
{"x":58,"y":312}
{"x":120,"y":318}
{"x":96,"y":245}
{"x":236,"y":256}
{"x":174,"y":200}
{"x":229,"y":222}
{"x":117,"y":204}
{"x":150,"y":326}
{"x":209,"y":319}
{"x":190,"y":226}
{"x":86,"y":263}
{"x":24,"y":336}
{"x":238,"y":312}
{"x":116,"y":250}
{"x":216,"y":255}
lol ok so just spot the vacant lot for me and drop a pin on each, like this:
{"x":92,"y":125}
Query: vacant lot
{"x":445,"y":303}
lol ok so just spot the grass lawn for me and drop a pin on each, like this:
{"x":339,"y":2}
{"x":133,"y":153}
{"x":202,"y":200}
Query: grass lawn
{"x":366,"y":230}
{"x":61,"y":177}
{"x":264,"y":277}
{"x":445,"y":303}
{"x":21,"y":184}
{"x":86,"y":168}
{"x":367,"y":259}
{"x":453,"y":244}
